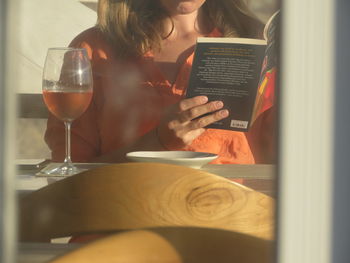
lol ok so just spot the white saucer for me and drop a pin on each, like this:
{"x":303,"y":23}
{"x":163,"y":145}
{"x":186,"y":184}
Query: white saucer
{"x":185,"y":158}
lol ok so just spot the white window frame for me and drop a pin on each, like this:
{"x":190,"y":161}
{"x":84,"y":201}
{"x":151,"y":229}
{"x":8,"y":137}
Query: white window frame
{"x":314,"y":178}
{"x":8,"y":223}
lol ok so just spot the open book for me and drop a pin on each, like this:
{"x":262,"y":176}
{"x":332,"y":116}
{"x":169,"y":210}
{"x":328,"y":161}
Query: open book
{"x":238,"y":71}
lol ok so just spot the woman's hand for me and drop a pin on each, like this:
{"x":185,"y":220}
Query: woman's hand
{"x":182,"y":123}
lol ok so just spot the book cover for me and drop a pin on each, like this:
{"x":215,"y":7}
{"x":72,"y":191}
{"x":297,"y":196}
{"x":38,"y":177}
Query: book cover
{"x":268,"y":77}
{"x":231,"y":70}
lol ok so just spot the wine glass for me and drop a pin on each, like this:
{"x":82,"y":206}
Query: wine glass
{"x":67,"y":92}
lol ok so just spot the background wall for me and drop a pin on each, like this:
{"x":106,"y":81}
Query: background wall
{"x":43,"y":24}
{"x":48,"y":23}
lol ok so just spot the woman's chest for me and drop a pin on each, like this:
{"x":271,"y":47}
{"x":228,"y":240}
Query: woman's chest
{"x":172,"y":57}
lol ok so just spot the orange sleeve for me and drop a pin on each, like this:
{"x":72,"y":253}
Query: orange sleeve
{"x":84,"y":130}
{"x":262,"y":137}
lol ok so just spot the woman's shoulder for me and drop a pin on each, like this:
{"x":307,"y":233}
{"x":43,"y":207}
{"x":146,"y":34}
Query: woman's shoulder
{"x":91,"y":35}
{"x":93,"y":40}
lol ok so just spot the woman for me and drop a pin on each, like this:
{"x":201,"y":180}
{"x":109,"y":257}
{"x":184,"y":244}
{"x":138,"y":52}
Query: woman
{"x":141,"y":54}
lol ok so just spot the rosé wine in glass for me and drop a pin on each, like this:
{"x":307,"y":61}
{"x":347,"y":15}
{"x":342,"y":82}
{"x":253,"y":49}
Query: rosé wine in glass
{"x":67,"y":106}
{"x":67,"y":93}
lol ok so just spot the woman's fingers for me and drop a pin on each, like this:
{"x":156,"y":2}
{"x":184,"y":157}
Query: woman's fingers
{"x":208,"y":119}
{"x":187,"y":120}
{"x":200,"y":110}
{"x":187,"y":104}
{"x":192,"y":108}
{"x":197,"y":113}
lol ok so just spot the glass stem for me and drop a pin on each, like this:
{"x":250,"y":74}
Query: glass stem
{"x":68,"y":160}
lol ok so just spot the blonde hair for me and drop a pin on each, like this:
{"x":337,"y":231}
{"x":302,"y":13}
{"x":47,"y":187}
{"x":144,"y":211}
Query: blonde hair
{"x":136,"y":26}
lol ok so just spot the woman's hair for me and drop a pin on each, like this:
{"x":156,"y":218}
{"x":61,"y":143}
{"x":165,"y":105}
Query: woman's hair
{"x":136,"y":26}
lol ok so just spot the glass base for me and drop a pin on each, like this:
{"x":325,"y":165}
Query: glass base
{"x":65,"y":169}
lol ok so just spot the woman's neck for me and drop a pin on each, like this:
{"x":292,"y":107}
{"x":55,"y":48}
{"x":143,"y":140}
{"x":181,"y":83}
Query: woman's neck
{"x":183,"y":25}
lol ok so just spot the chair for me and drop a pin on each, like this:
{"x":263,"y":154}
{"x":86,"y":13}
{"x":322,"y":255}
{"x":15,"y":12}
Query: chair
{"x":175,"y":245}
{"x":142,"y":195}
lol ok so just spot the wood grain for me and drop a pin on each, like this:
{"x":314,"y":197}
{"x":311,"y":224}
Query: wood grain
{"x":140,"y":195}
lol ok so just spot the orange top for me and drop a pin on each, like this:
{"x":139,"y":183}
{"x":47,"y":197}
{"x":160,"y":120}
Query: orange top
{"x":128,"y":100}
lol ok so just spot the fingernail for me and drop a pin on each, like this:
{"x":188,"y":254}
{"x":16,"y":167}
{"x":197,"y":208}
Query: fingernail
{"x":219,"y":104}
{"x":204,"y":99}
{"x":224,"y":113}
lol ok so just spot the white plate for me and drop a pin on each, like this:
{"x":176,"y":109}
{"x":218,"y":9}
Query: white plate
{"x":185,"y":158}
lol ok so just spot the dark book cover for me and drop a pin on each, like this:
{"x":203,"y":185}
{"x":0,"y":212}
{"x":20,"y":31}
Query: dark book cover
{"x":228,"y":69}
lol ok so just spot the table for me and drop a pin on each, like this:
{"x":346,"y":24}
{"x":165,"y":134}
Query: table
{"x":258,"y":177}
{"x":42,"y":252}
